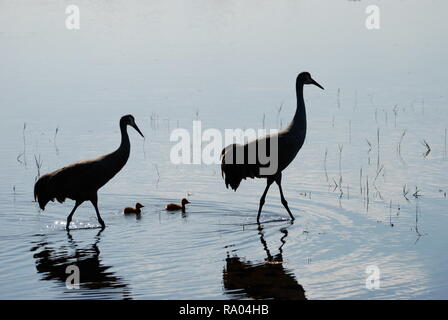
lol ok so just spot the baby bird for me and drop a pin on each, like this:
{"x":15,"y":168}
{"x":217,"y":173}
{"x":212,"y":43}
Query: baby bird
{"x":135,"y":210}
{"x":175,"y":206}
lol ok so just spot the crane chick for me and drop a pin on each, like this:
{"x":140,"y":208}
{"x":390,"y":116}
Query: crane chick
{"x":176,"y":207}
{"x":136,"y":210}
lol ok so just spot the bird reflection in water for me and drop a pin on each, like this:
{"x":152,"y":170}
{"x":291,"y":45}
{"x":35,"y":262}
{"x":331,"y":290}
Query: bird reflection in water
{"x":96,"y":281}
{"x":265,"y":280}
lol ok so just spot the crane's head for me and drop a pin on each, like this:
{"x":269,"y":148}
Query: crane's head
{"x":305,"y":78}
{"x":129,"y":120}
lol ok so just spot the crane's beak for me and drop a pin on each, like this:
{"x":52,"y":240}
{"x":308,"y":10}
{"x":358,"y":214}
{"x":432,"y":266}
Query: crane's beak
{"x":316,"y":84}
{"x":137,"y":129}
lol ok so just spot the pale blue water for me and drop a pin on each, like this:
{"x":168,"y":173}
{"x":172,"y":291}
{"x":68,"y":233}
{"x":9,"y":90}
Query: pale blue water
{"x":228,"y":64}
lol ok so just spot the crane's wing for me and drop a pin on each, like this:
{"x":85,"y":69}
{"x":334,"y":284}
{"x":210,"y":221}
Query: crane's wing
{"x":77,"y":179}
{"x":246,"y":161}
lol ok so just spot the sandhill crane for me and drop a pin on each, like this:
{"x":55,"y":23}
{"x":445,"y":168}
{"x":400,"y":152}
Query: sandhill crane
{"x":288,"y":143}
{"x":80,"y":181}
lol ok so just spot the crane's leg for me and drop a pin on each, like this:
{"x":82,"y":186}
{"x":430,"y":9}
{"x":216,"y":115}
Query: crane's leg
{"x":278,"y":180}
{"x":94,"y":201}
{"x":69,"y":218}
{"x":269,"y":182}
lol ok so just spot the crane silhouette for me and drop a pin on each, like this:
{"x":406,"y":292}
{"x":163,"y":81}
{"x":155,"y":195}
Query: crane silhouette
{"x":236,"y":163}
{"x":82,"y":180}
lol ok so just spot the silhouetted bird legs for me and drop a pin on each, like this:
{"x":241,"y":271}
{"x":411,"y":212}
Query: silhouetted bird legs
{"x":270,"y":181}
{"x":278,"y":180}
{"x":94,"y":201}
{"x":69,"y":218}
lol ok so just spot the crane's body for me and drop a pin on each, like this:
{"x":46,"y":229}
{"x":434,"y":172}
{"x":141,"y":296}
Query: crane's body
{"x":82,"y":180}
{"x":289,"y":142}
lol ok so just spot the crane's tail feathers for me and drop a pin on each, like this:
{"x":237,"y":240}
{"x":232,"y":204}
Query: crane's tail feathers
{"x":233,"y":173}
{"x":232,"y":176}
{"x":43,"y":192}
{"x":230,"y":172}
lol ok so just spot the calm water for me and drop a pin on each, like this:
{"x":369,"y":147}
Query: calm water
{"x":229,"y":64}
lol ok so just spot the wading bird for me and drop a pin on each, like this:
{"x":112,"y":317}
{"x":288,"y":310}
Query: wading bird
{"x":80,"y":181}
{"x":288,"y":143}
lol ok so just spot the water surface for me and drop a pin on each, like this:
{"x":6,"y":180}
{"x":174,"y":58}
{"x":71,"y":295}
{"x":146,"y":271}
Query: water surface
{"x":230,"y":64}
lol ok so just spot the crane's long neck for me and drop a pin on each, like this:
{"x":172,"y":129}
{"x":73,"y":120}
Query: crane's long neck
{"x":121,"y":155}
{"x":125,"y":145}
{"x":298,"y":123}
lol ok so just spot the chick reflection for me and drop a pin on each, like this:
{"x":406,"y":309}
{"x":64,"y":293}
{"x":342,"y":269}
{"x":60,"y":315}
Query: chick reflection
{"x":266,"y":280}
{"x":95,"y":279}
